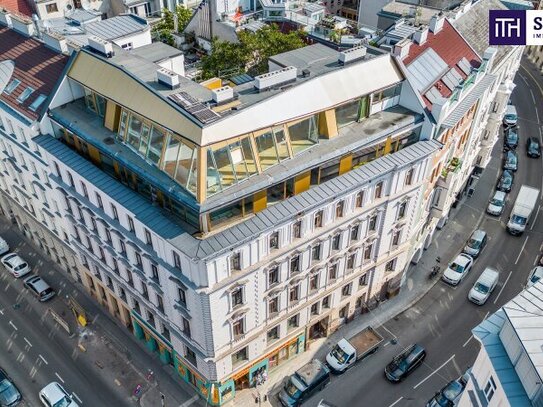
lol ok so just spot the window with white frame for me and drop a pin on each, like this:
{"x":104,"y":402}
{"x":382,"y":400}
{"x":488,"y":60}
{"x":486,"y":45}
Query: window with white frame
{"x":359,"y":199}
{"x":409,"y":177}
{"x":236,"y":297}
{"x":396,"y":236}
{"x":295,"y":264}
{"x":316,"y":252}
{"x":402,"y":209}
{"x":336,"y":241}
{"x":354,"y":232}
{"x":238,"y":327}
{"x":273,"y":306}
{"x":235,"y":261}
{"x":378,"y":190}
{"x":332,"y":272}
{"x":372,"y":223}
{"x":294,"y":293}
{"x":490,"y":389}
{"x":273,"y":276}
{"x":390,"y":265}
{"x":274,"y":241}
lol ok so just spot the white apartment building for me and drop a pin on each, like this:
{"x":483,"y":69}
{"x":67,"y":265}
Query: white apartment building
{"x":229,"y":231}
{"x":507,"y":371}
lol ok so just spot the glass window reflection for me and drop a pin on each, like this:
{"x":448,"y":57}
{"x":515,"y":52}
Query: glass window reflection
{"x":304,"y":134}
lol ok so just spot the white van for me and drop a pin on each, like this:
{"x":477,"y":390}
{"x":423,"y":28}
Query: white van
{"x":510,"y":118}
{"x":4,"y":247}
{"x":484,"y":286}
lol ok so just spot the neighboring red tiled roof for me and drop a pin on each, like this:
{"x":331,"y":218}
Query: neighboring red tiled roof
{"x":448,"y":44}
{"x":17,"y":6}
{"x":35,"y":65}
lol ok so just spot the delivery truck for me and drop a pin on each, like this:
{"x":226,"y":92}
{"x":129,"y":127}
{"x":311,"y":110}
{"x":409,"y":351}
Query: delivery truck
{"x":348,"y":351}
{"x":522,"y":210}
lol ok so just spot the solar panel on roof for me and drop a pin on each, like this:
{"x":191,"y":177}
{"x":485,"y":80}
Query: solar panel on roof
{"x":241,"y":79}
{"x":206,"y":115}
{"x":464,"y":65}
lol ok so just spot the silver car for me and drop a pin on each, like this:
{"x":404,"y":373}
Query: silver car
{"x":497,"y":204}
{"x":39,"y":288}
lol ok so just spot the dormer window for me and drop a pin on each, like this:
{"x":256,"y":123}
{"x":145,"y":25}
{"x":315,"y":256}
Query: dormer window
{"x":25,"y":94}
{"x":37,"y":102}
{"x":12,"y":86}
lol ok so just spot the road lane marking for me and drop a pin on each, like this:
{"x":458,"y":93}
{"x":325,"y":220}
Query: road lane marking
{"x":42,"y":358}
{"x":535,"y":218}
{"x":396,"y":402}
{"x":522,"y":249}
{"x":535,"y":260}
{"x":27,"y":341}
{"x":12,"y":325}
{"x":535,"y":81}
{"x":77,"y":397}
{"x":59,"y":378}
{"x":190,"y":401}
{"x":2,"y":311}
{"x":486,"y":315}
{"x":503,"y":286}
{"x":533,"y":98}
{"x":466,"y":343}
{"x":434,"y":372}
{"x":537,"y":115}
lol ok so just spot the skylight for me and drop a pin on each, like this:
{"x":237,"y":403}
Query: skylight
{"x":11,"y":87}
{"x":25,"y":94}
{"x":37,"y":103}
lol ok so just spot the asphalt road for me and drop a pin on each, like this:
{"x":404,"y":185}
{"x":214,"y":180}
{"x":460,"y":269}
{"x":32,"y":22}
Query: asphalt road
{"x":442,"y":320}
{"x":35,"y":353}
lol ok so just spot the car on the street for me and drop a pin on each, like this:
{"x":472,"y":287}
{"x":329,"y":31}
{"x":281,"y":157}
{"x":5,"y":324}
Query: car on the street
{"x":4,"y":247}
{"x":458,"y":269}
{"x":483,"y":287}
{"x":54,"y":395}
{"x":510,"y":138}
{"x":510,"y":117}
{"x":533,"y":147}
{"x":10,"y":396}
{"x":405,"y":363}
{"x":39,"y":288}
{"x":449,"y":396}
{"x":510,"y":161}
{"x":476,"y":243}
{"x":535,"y":275}
{"x":505,"y":183}
{"x":497,"y":204}
{"x":15,"y":265}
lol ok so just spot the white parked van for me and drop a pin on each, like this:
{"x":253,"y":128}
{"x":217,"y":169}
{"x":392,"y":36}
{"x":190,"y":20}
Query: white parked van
{"x":510,"y":118}
{"x":4,"y":247}
{"x":484,"y":286}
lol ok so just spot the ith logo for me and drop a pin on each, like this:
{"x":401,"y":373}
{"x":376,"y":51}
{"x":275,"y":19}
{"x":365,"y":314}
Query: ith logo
{"x":516,"y":27}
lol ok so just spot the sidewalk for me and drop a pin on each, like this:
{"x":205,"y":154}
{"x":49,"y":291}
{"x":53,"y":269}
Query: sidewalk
{"x":104,"y":344}
{"x":446,"y":243}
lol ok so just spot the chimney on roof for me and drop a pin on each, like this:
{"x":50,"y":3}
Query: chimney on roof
{"x":168,"y":78}
{"x":101,"y":46}
{"x":401,"y":49}
{"x":352,"y":54}
{"x":5,"y":17}
{"x":222,"y":94}
{"x":274,"y":78}
{"x":23,"y":25}
{"x":436,"y":22}
{"x":421,"y":35}
{"x":55,"y":41}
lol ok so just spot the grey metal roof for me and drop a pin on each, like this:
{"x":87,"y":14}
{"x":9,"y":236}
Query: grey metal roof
{"x":427,"y":68}
{"x":474,"y":27}
{"x":117,"y":27}
{"x":311,"y":199}
{"x":401,"y":31}
{"x":465,"y":104}
{"x":156,"y":52}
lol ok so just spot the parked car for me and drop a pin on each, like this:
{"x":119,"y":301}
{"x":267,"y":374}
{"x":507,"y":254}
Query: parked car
{"x":4,"y":247}
{"x":39,"y":288}
{"x":505,"y":183}
{"x":510,"y":118}
{"x":510,"y":161}
{"x":533,"y":147}
{"x":54,"y":395}
{"x":510,"y":139}
{"x":476,"y":243}
{"x":484,"y":286}
{"x":10,"y":396}
{"x":497,"y":204}
{"x":403,"y":364}
{"x":15,"y":265}
{"x":458,"y":269}
{"x":535,"y":275}
{"x":449,"y":395}
{"x":305,"y":382}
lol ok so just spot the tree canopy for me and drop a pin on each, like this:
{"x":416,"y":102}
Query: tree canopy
{"x":251,"y":53}
{"x":163,"y":30}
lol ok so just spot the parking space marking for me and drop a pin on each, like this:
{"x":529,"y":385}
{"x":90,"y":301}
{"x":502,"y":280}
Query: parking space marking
{"x":522,"y":249}
{"x":77,"y":397}
{"x":503,"y":286}
{"x":396,"y":402}
{"x":535,"y":218}
{"x":27,"y":342}
{"x":42,"y":358}
{"x":466,"y":343}
{"x":59,"y":378}
{"x":2,"y":311}
{"x":434,"y":372}
{"x":12,"y":325}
